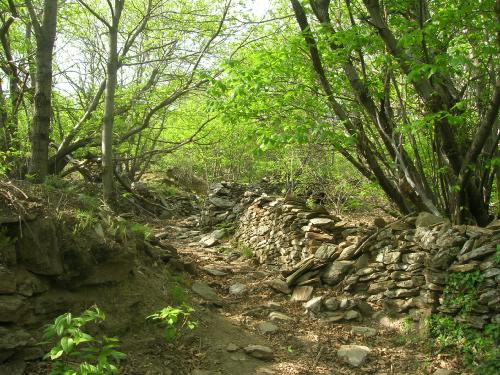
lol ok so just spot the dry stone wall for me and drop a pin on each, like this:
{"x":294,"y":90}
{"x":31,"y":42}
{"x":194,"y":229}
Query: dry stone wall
{"x":401,"y":267}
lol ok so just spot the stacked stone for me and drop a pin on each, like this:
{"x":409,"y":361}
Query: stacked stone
{"x":480,"y":252}
{"x":402,"y":267}
{"x":226,"y":201}
{"x":284,"y":231}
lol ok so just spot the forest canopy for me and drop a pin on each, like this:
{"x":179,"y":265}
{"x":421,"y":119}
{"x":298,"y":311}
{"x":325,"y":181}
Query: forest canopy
{"x":398,"y":97}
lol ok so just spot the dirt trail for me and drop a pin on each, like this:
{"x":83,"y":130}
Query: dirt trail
{"x":302,"y":344}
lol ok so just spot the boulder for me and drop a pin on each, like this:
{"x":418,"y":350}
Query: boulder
{"x":16,"y":367}
{"x":7,"y":281}
{"x":11,"y":308}
{"x":12,"y":338}
{"x":38,"y":248}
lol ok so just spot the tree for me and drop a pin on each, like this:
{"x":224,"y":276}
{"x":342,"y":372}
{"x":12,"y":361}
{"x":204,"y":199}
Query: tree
{"x":45,"y":35}
{"x":420,"y":59}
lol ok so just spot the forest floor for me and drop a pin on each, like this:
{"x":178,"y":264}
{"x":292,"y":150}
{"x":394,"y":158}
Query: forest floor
{"x":301,"y":343}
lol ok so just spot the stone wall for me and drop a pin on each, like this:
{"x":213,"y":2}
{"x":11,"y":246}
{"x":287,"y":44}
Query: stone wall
{"x":402,"y":267}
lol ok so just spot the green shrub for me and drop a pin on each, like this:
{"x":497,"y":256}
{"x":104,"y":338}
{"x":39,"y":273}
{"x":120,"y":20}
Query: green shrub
{"x":175,"y":319}
{"x":75,"y":352}
{"x":142,"y":230}
{"x":84,"y":220}
{"x":480,"y":349}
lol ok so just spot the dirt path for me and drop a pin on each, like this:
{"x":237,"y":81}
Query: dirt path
{"x":248,"y":312}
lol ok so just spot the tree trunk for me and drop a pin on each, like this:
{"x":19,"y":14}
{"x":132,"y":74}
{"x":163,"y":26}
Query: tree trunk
{"x":109,"y":105}
{"x":45,"y":38}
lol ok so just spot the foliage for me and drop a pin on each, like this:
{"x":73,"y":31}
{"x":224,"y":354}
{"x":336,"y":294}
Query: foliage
{"x":142,"y":230}
{"x":461,"y":291}
{"x":245,"y":250}
{"x":84,"y":220}
{"x":76,"y":352}
{"x":175,"y":319}
{"x":480,"y":348}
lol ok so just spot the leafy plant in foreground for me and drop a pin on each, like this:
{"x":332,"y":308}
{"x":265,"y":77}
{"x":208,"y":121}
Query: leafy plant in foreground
{"x":174,"y":319}
{"x":75,"y":352}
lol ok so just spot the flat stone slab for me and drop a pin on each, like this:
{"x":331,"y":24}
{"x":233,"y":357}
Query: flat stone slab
{"x":354,"y":355}
{"x":302,"y":294}
{"x":214,"y":271}
{"x":275,"y":315}
{"x":237,"y":289}
{"x":260,"y":352}
{"x":279,"y":285}
{"x":364,"y":331}
{"x":206,"y":292}
{"x":267,"y":328}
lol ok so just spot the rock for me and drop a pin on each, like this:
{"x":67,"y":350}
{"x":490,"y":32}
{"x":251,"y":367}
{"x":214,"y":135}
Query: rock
{"x":326,"y":252}
{"x":442,"y":371}
{"x":238,"y":357}
{"x":332,"y":304}
{"x":232,"y":347}
{"x":426,"y":219}
{"x":221,"y":202}
{"x":314,"y":305}
{"x":334,"y":272}
{"x":267,"y":328}
{"x":208,"y":241}
{"x":259,"y":352}
{"x":323,"y":223}
{"x":379,"y":222}
{"x":478,"y":253}
{"x":364,"y":331}
{"x":7,"y":281}
{"x":237,"y":289}
{"x":495,"y":225}
{"x":206,"y":292}
{"x":201,"y":372}
{"x":302,"y":293}
{"x":391,"y":257}
{"x":279,"y":285}
{"x":275,"y":315}
{"x":38,"y":248}
{"x":12,"y":338}
{"x":11,"y":308}
{"x":352,"y":315}
{"x":355,"y":355}
{"x":334,"y":317}
{"x":214,"y":271}
{"x":13,"y":368}
{"x":463,"y":267}
{"x":322,"y":237}
{"x":348,"y":253}
{"x":219,"y":234}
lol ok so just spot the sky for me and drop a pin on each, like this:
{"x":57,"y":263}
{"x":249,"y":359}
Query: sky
{"x":260,"y":7}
